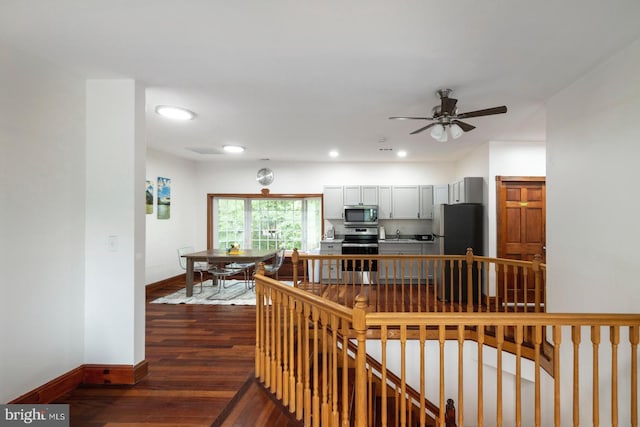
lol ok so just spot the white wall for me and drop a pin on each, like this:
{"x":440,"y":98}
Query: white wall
{"x":593,"y":151}
{"x":42,"y":220}
{"x":165,"y":236}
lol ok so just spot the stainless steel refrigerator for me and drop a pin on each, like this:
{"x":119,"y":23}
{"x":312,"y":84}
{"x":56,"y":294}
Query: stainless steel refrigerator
{"x":458,"y":227}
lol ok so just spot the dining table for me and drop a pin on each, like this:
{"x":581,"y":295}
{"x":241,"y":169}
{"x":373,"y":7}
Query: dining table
{"x":223,"y":256}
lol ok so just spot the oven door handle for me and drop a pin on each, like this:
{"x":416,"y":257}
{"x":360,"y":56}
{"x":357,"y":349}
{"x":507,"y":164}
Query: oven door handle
{"x":359,"y":245}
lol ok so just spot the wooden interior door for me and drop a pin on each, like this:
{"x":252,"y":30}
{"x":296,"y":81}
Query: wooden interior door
{"x":521,"y":220}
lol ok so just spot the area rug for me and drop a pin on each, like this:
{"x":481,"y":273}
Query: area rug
{"x":234,"y":292}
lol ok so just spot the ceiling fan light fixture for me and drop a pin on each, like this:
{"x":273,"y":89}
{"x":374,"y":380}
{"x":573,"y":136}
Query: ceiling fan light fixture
{"x":456,"y":131}
{"x":437,"y":131}
{"x":443,"y":138}
{"x":175,"y":113}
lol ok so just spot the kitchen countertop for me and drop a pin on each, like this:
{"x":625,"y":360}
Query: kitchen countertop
{"x":404,"y":241}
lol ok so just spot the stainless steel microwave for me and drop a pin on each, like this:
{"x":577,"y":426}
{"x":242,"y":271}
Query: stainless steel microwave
{"x":360,"y":215}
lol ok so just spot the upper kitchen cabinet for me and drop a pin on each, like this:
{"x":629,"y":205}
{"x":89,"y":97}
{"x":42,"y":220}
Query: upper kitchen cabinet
{"x":360,"y":195}
{"x":440,"y":194}
{"x":426,"y":202}
{"x":467,"y":190}
{"x":333,"y":202}
{"x":406,"y":201}
{"x":385,"y":204}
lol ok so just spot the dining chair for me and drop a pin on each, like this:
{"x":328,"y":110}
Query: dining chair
{"x":198,"y":266}
{"x":272,"y":269}
{"x":246,"y":268}
{"x":220,"y":274}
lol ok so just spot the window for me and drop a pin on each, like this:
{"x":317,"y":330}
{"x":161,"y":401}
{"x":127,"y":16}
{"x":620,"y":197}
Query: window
{"x":267,"y":223}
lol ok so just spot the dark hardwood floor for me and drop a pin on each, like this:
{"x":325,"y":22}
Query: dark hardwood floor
{"x":199,"y":357}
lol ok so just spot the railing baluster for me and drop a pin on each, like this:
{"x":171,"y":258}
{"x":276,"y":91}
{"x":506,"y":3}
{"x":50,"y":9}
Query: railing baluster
{"x":277,"y":364}
{"x":519,"y":338}
{"x":614,"y":337}
{"x":315,"y":395}
{"x":335,"y":414}
{"x":292,"y":355}
{"x":300,"y":353}
{"x":557,"y":339}
{"x":285,"y":350}
{"x":460,"y":373}
{"x":634,"y":338}
{"x":536,"y":361}
{"x":325,"y":370}
{"x":423,"y":373}
{"x":595,"y":340}
{"x":575,"y":338}
{"x":499,"y":344}
{"x":307,"y":366}
{"x":480,"y":393}
{"x":403,"y":375}
{"x":268,"y":348}
{"x":441,"y":339}
{"x":383,"y":344}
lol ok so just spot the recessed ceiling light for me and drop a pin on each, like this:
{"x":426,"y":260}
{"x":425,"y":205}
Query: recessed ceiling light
{"x":402,"y":153}
{"x":233,"y":148}
{"x":176,"y":113}
{"x":333,"y":153}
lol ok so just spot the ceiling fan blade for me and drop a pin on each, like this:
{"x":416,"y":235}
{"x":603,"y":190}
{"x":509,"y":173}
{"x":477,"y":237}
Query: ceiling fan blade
{"x":448,"y":105}
{"x":410,"y":118}
{"x":424,"y":128}
{"x":485,"y":112}
{"x":464,"y":126}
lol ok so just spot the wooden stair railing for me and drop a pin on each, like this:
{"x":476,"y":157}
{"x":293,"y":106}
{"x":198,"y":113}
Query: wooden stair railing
{"x":288,"y":319}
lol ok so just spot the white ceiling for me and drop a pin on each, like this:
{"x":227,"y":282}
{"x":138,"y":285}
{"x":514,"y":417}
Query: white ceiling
{"x":291,"y":79}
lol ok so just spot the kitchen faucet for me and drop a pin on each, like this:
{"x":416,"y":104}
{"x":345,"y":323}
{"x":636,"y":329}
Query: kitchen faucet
{"x":398,"y":233}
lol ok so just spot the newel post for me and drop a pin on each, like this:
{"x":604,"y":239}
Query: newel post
{"x":537,"y":273}
{"x":360,"y":327}
{"x":470,"y":295}
{"x":295,"y":256}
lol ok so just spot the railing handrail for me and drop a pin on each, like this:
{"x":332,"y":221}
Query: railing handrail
{"x":505,"y":319}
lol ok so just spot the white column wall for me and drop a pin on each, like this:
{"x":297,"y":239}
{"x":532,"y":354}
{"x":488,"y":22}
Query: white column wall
{"x":114,"y":238}
{"x":41,"y":222}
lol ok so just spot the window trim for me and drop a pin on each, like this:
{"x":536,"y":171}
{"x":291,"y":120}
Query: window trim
{"x":265,"y":194}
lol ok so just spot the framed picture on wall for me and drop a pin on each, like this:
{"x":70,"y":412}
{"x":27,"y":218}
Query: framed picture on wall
{"x":164,"y":198}
{"x":149,"y":197}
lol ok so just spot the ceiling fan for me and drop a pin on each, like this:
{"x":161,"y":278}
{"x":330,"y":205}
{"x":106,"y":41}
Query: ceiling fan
{"x":446,"y":116}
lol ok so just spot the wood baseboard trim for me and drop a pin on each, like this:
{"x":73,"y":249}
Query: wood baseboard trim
{"x":180,"y":278}
{"x":85,"y":374}
{"x":52,"y":390}
{"x":114,"y":374}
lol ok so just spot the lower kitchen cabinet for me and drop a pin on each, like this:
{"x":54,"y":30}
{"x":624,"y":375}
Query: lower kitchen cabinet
{"x":403,"y":269}
{"x":331,"y":269}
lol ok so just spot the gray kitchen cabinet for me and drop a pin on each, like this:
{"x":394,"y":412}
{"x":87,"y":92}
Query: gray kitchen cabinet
{"x":440,"y":194}
{"x":333,"y":201}
{"x":426,"y":202}
{"x":406,"y":201}
{"x":467,"y":190}
{"x":331,"y":269}
{"x":385,"y":204}
{"x":360,"y":195}
{"x":407,"y":269}
{"x":430,"y":248}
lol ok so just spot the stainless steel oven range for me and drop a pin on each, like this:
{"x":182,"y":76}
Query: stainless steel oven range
{"x":360,"y":241}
